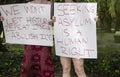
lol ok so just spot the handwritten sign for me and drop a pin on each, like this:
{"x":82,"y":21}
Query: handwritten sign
{"x":27,"y":24}
{"x":75,"y":30}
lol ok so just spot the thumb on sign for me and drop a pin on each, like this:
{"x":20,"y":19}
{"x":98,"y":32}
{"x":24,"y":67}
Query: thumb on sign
{"x":52,"y":20}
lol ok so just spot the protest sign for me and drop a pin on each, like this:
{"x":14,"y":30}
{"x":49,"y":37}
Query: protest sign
{"x":75,"y":30}
{"x":27,"y":24}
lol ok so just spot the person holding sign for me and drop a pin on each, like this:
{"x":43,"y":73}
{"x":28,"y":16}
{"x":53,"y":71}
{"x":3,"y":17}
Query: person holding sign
{"x":66,"y":61}
{"x":37,"y":59}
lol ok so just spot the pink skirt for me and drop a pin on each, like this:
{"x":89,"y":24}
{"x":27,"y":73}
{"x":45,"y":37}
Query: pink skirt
{"x":37,"y":62}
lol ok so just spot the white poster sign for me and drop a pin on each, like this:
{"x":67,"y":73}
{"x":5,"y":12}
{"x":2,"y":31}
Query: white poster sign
{"x":75,"y":30}
{"x":27,"y":24}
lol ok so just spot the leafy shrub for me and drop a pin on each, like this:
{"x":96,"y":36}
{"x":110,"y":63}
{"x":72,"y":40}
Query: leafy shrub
{"x":107,"y":64}
{"x":10,"y":63}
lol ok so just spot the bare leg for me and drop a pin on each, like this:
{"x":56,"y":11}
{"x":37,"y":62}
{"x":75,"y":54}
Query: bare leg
{"x":79,"y":67}
{"x":66,"y":66}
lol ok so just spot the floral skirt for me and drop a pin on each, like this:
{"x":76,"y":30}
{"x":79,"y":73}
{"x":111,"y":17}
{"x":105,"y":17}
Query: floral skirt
{"x":37,"y":62}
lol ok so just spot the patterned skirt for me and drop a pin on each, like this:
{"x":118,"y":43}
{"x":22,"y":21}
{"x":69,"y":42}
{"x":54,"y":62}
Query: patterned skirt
{"x":37,"y":62}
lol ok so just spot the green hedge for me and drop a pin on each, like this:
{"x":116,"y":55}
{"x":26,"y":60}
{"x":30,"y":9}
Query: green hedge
{"x":10,"y":63}
{"x":107,"y":64}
